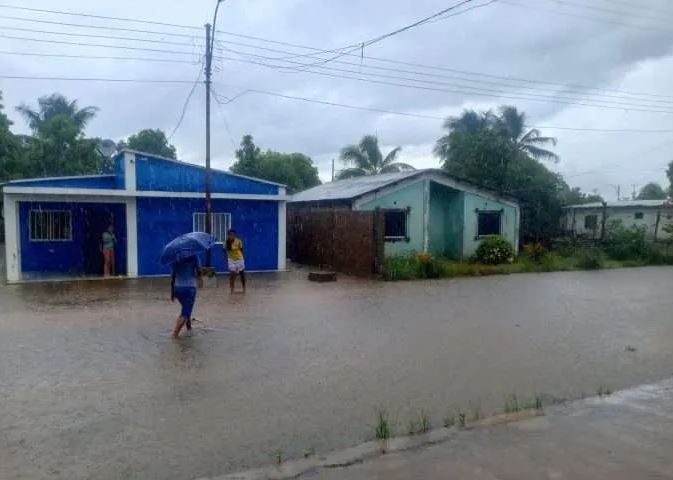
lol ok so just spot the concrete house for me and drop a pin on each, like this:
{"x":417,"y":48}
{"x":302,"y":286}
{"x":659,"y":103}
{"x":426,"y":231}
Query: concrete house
{"x":424,"y":210}
{"x":587,"y":219}
{"x":53,"y":226}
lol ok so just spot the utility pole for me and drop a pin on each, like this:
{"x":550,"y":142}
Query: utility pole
{"x":332,"y":169}
{"x":633,"y":195}
{"x":209,"y":71}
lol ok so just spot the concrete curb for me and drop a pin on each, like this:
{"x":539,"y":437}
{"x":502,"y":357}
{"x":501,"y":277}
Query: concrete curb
{"x":369,"y":450}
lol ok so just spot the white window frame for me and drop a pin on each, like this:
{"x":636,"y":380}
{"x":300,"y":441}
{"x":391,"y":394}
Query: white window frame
{"x":405,"y":211}
{"x":51,"y":225}
{"x":199,"y":224}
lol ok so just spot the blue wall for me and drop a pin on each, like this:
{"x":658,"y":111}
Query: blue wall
{"x":162,"y":219}
{"x":172,"y":176}
{"x":69,"y":256}
{"x":101,"y":181}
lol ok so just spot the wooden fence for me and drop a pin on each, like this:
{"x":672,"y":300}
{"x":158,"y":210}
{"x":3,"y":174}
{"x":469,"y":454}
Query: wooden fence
{"x":343,"y":240}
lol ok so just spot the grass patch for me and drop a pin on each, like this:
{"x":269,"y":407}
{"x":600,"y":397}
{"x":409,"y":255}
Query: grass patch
{"x":383,"y":430}
{"x":512,"y":404}
{"x":420,"y":424}
{"x":603,"y":391}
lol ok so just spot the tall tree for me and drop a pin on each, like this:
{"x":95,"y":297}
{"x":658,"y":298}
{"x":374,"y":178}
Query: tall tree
{"x":295,"y":170}
{"x":366,"y":159}
{"x":510,"y":123}
{"x":10,"y":158}
{"x":55,"y":105}
{"x":651,"y":191}
{"x":150,"y":141}
{"x":575,"y":196}
{"x":479,"y":147}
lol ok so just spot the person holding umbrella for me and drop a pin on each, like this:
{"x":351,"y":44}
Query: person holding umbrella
{"x":182,"y":254}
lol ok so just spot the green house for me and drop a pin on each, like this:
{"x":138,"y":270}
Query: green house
{"x":424,"y":210}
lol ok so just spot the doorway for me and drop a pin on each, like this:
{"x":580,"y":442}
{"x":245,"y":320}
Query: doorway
{"x":95,"y":220}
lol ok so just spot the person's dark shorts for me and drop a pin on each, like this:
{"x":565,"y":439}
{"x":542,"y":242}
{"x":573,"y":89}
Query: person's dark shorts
{"x":186,"y":296}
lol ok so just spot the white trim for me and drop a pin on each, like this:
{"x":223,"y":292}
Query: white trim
{"x":102,"y":192}
{"x":282,"y":235}
{"x":129,"y":171}
{"x":12,"y":243}
{"x":131,"y":238}
{"x":70,"y":177}
{"x":180,"y":162}
{"x":426,"y":214}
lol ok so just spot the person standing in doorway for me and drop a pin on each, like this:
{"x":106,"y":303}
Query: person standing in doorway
{"x":108,"y":244}
{"x":185,"y":277}
{"x":235,"y":260}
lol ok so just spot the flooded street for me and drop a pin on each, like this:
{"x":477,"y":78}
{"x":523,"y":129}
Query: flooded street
{"x":92,"y":386}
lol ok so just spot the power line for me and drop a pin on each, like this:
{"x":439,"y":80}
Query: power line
{"x":416,"y":115}
{"x":434,"y":75}
{"x":92,"y":35}
{"x":102,"y":17}
{"x":98,"y":27}
{"x":606,"y":10}
{"x":186,"y":104}
{"x":476,"y":91}
{"x":584,"y":17}
{"x":94,"y":79}
{"x":95,"y":57}
{"x":317,"y":51}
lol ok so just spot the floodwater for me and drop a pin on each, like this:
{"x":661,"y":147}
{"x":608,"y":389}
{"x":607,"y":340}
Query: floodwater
{"x":91,"y":385}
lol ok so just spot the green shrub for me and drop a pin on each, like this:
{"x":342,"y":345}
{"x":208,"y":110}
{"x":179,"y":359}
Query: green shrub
{"x":535,"y":251}
{"x":590,"y":259}
{"x":622,"y":243}
{"x":401,"y":267}
{"x":493,"y":250}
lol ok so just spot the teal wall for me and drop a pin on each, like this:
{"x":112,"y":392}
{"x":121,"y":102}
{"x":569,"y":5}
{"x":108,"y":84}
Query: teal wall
{"x":509,"y":221}
{"x":445,"y":227}
{"x":407,"y":197}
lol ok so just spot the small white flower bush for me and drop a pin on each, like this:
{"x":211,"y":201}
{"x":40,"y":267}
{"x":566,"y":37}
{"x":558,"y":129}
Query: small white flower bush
{"x":493,"y":250}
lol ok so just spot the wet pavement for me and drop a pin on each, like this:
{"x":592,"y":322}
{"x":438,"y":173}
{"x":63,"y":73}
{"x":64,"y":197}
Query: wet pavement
{"x":628,"y":435}
{"x":91,"y":385}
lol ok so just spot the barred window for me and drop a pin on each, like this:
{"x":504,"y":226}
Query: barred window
{"x":50,"y":225}
{"x":220,"y":224}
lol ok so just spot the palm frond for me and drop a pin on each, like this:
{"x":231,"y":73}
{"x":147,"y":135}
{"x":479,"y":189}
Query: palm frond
{"x":397,"y":167}
{"x":351,"y":155}
{"x":390,"y":158}
{"x":83,"y":116}
{"x":351,"y":173}
{"x":31,"y":116}
{"x":539,"y":153}
{"x":369,"y":145}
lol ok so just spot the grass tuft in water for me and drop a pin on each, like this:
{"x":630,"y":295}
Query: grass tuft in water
{"x":383,"y":430}
{"x":512,"y":404}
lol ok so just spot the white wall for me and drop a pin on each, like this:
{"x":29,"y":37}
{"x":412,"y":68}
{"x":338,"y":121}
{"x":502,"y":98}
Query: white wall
{"x":625,"y":214}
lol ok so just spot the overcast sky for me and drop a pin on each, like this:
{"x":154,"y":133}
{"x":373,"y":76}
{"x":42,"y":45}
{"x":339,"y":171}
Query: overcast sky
{"x":626,"y":56}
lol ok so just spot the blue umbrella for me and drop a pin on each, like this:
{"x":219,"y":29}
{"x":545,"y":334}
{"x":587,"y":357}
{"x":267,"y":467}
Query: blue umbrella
{"x":186,"y":246}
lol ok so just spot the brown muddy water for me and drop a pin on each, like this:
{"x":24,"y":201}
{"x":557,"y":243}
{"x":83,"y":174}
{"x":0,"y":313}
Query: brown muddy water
{"x":91,"y":385}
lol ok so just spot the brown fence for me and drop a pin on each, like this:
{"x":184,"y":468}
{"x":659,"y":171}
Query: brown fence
{"x":343,"y":240}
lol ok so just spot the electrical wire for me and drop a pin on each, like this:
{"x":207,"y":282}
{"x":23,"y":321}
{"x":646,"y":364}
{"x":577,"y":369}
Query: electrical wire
{"x":95,"y":57}
{"x":94,"y":79}
{"x":186,"y":104}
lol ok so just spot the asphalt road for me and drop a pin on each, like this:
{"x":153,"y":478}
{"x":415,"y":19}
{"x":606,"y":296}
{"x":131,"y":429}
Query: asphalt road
{"x":91,"y":385}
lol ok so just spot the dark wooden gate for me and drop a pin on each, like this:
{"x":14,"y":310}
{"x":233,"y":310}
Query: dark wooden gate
{"x":344,"y":240}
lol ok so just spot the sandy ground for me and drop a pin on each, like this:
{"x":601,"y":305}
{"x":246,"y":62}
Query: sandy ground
{"x":91,"y":385}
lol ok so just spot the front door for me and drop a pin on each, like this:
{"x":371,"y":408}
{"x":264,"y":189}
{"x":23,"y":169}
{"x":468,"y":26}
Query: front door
{"x":94,"y":222}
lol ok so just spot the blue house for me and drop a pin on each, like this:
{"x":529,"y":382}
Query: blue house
{"x":53,"y":226}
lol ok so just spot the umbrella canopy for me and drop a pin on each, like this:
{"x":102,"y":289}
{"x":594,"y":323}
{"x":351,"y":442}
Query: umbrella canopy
{"x":186,"y":246}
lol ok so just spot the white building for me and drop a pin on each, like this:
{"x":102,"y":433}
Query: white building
{"x":587,"y":220}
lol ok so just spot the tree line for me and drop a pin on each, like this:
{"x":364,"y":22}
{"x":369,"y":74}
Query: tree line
{"x":493,"y":150}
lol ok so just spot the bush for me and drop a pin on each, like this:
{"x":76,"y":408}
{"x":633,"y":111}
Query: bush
{"x":590,"y":259}
{"x":493,"y":250}
{"x":622,"y":243}
{"x":430,"y":267}
{"x":535,"y":251}
{"x":401,"y":267}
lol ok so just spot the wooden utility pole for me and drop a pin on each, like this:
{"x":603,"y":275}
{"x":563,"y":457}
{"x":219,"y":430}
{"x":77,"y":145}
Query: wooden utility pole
{"x":332,"y":169}
{"x":209,"y":71}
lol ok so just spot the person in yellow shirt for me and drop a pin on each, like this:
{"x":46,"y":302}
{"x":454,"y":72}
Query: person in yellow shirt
{"x":235,"y":260}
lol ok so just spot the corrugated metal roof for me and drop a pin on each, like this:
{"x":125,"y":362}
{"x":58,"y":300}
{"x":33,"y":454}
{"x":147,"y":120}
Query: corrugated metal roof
{"x":352,"y":187}
{"x":625,"y":204}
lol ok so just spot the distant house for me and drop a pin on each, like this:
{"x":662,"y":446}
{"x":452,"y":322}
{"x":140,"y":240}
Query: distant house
{"x":53,"y":226}
{"x":587,"y":220}
{"x":424,"y":210}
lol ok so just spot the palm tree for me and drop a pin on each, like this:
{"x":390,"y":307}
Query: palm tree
{"x":53,"y":105}
{"x":531,"y":142}
{"x":367,"y":159}
{"x":468,"y":122}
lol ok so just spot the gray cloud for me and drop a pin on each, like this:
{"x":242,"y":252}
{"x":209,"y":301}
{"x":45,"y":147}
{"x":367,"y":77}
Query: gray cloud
{"x":500,"y":39}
